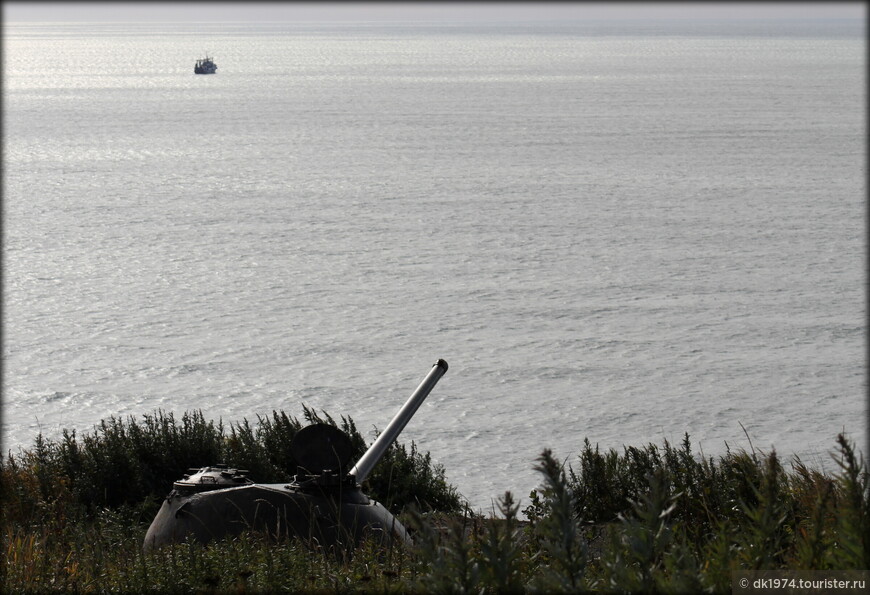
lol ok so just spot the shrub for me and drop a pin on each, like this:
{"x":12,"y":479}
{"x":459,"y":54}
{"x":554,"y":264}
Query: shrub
{"x":130,"y":465}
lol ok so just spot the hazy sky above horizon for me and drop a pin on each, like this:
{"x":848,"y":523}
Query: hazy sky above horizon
{"x":422,"y":11}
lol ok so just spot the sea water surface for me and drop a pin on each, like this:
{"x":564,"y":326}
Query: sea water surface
{"x":616,"y":232}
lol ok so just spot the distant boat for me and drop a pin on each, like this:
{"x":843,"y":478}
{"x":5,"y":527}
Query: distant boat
{"x":205,"y":66}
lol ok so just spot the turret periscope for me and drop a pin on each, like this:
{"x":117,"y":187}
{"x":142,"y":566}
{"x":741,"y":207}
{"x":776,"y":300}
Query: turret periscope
{"x":323,"y":505}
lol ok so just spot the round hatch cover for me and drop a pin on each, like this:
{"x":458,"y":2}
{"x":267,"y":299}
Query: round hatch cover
{"x":319,"y":447}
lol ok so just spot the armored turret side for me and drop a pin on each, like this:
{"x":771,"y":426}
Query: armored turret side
{"x":276,"y":510}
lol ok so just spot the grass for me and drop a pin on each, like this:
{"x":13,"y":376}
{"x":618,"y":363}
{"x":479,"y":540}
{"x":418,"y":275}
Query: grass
{"x":651,"y":519}
{"x":130,"y":465}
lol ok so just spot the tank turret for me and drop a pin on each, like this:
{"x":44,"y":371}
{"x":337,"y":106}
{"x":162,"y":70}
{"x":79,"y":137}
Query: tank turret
{"x":324,"y":503}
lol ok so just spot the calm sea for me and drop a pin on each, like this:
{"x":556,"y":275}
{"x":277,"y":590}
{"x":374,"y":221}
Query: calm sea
{"x":623,"y":232}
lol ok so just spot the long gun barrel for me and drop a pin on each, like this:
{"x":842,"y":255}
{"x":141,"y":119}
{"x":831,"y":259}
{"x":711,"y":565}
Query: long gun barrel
{"x":367,"y":462}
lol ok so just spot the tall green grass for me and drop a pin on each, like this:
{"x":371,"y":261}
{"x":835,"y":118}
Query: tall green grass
{"x":650,"y":519}
{"x":656,"y":520}
{"x":130,"y":465}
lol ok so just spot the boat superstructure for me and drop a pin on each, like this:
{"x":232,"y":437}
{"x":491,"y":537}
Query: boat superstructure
{"x":205,"y":66}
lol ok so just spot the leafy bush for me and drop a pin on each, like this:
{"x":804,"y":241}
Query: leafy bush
{"x":131,"y":465}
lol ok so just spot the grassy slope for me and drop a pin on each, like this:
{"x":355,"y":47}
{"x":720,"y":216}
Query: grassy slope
{"x":74,"y":513}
